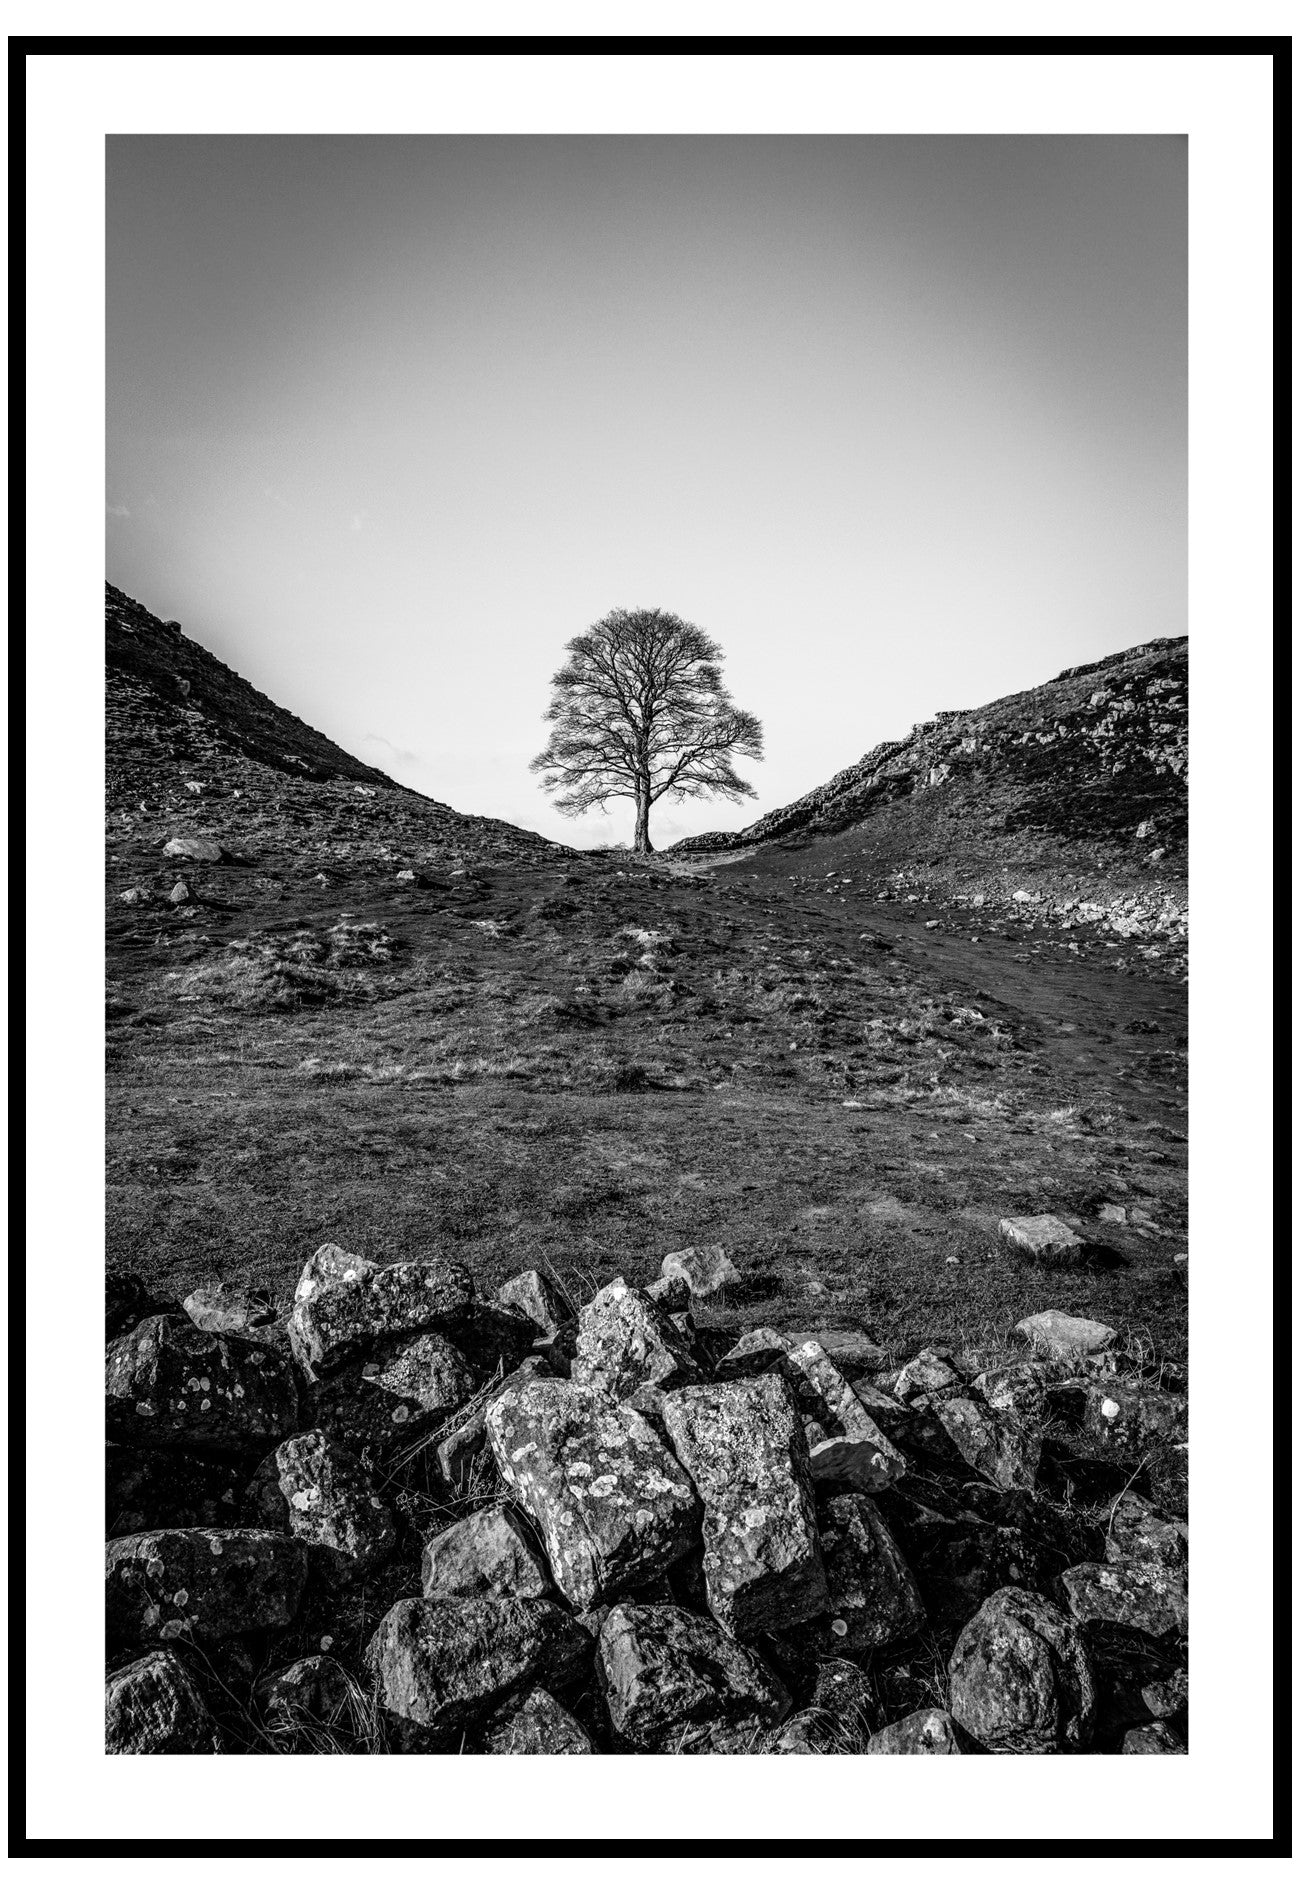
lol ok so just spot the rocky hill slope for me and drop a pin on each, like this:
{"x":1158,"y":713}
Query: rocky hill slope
{"x":190,"y":742}
{"x":1075,"y":791}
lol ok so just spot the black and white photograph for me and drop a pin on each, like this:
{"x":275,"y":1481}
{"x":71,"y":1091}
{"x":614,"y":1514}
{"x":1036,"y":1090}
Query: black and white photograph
{"x":648,"y":966}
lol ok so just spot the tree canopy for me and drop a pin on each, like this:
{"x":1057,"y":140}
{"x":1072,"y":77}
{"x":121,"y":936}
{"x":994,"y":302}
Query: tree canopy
{"x":640,"y":710}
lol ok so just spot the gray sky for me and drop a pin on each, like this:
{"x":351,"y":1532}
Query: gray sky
{"x":900,"y":421}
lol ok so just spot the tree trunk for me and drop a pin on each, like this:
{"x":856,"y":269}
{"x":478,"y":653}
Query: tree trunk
{"x":641,"y":844}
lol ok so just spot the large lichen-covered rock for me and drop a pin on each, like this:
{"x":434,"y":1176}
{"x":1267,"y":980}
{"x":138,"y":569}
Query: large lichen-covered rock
{"x":852,"y":1449}
{"x":626,"y":1345}
{"x":667,"y":1674}
{"x":491,"y":1552}
{"x":1060,"y":1335}
{"x":705,"y":1270}
{"x":444,"y":1661}
{"x":1130,"y":1597}
{"x":613,"y":1506}
{"x":742,"y":1445}
{"x":1139,"y":1534}
{"x":154,"y":1706}
{"x":928,"y":1731}
{"x":313,"y":1488}
{"x":1020,"y":1679}
{"x":1129,"y":1420}
{"x":994,"y":1443}
{"x":539,"y":1725}
{"x":538,"y":1298}
{"x":167,"y":1489}
{"x":392,"y":1391}
{"x":873,"y":1598}
{"x":343,"y":1303}
{"x":165,"y":1584}
{"x":170,"y":1386}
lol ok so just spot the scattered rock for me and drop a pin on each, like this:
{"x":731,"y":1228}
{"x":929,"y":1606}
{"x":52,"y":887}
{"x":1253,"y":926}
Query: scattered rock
{"x":171,"y":1386}
{"x":742,"y":1445}
{"x":491,"y":1552}
{"x":705,"y":1270}
{"x":163,"y":1584}
{"x":154,"y":1706}
{"x":312,"y":1488}
{"x":670,"y":1295}
{"x":1060,"y":1335}
{"x":1044,"y":1238}
{"x":194,"y":847}
{"x":540,"y":1725}
{"x":929,"y":1371}
{"x":672,"y":1678}
{"x":444,"y":1661}
{"x":344,"y":1303}
{"x":930,"y":1730}
{"x":180,"y":894}
{"x":614,"y":1508}
{"x":851,"y":1352}
{"x":1020,"y":1679}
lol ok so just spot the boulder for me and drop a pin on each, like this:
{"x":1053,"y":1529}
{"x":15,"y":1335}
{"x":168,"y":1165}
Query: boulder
{"x":220,"y":1308}
{"x":1157,"y":1738}
{"x":1020,"y":1389}
{"x":873,"y":1598}
{"x":396,"y":1390}
{"x":1138,"y":1534}
{"x":154,"y":1706}
{"x":625,"y":1344}
{"x":539,"y":1299}
{"x":1130,"y":1420}
{"x":929,"y":1371}
{"x":171,"y":1386}
{"x":491,"y":1552}
{"x":1044,"y":1238}
{"x":444,"y":1661}
{"x":312,"y":1488}
{"x":754,"y":1355}
{"x":742,"y":1446}
{"x":614,"y":1508}
{"x":195,"y":846}
{"x":994,"y":1443}
{"x":852,"y":1450}
{"x":670,"y":1677}
{"x":540,"y":1725}
{"x":705,"y":1270}
{"x":162,"y":1584}
{"x":166,"y":1489}
{"x":1129,"y":1597}
{"x":1020,"y":1680}
{"x":180,"y":894}
{"x":1062,"y":1336}
{"x":930,"y":1730}
{"x":344,"y":1304}
{"x":670,"y":1295}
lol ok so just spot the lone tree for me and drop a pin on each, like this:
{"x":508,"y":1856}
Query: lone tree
{"x":640,"y":709}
